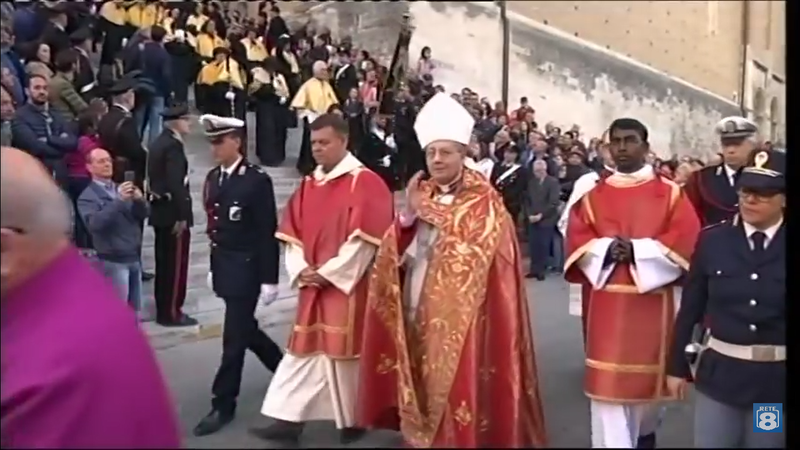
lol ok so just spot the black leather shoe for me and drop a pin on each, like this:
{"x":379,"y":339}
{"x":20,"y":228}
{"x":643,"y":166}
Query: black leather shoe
{"x":213,"y":422}
{"x":350,"y":435}
{"x":147,"y":276}
{"x":281,"y":430}
{"x":646,"y":441}
{"x":184,"y":321}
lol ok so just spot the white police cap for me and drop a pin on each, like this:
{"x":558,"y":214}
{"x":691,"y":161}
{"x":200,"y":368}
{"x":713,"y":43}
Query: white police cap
{"x":217,"y":126}
{"x":443,"y":119}
{"x":736,"y":127}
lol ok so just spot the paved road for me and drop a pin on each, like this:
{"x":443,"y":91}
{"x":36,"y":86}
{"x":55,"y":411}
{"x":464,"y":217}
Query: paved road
{"x":190,"y":369}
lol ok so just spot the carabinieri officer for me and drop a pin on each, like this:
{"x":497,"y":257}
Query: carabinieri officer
{"x":738,"y":280}
{"x":240,"y":203}
{"x":712,"y":190}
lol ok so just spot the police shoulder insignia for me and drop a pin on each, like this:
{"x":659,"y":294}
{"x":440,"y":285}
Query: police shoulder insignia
{"x":715,"y":225}
{"x":242,"y":169}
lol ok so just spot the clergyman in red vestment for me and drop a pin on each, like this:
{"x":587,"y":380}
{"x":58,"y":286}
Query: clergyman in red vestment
{"x":629,"y":239}
{"x":448,"y":352}
{"x":332,"y":227}
{"x":579,"y":294}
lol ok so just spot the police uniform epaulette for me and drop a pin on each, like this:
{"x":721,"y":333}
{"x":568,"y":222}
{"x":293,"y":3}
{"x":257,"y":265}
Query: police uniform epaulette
{"x":715,"y":225}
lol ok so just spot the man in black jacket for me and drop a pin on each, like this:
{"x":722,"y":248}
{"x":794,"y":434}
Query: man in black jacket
{"x":84,"y":78}
{"x":55,"y":32}
{"x":541,"y":214}
{"x":345,"y":77}
{"x":171,"y":216}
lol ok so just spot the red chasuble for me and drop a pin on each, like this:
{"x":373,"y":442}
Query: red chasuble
{"x":462,"y":372}
{"x":628,"y":333}
{"x":320,"y":217}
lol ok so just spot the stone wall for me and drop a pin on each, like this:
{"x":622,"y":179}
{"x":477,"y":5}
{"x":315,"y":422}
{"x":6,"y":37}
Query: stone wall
{"x":568,"y":80}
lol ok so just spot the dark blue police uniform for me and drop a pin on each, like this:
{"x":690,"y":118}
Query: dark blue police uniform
{"x":710,"y":189}
{"x":245,"y":255}
{"x":737,"y":281}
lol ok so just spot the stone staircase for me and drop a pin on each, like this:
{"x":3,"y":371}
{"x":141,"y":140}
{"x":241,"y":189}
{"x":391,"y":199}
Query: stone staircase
{"x":201,"y":303}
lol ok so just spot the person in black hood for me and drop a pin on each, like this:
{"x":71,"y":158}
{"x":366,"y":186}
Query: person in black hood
{"x":276,"y":28}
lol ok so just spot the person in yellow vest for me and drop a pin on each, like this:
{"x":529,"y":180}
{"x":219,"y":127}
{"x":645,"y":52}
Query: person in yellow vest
{"x":222,"y":82}
{"x":312,"y":100}
{"x":254,"y":47}
{"x":207,"y":41}
{"x":168,"y":19}
{"x":287,"y":63}
{"x":198,"y":18}
{"x":112,"y":28}
{"x":153,"y":13}
{"x":133,"y":16}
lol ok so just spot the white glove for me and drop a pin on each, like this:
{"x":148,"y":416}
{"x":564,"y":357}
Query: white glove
{"x":283,"y":100}
{"x":386,"y":161}
{"x":269,"y":293}
{"x":210,"y":281}
{"x":230,"y":95}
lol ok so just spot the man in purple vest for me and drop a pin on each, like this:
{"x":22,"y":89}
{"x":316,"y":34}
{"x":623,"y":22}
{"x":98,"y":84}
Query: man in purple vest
{"x":76,"y":370}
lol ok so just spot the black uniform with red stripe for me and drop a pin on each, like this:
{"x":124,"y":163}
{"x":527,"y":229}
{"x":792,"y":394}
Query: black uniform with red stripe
{"x":242,"y":220}
{"x":712,"y":194}
{"x":171,"y":202}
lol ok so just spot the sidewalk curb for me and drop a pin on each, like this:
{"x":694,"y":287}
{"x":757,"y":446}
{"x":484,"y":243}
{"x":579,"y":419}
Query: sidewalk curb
{"x":164,"y":338}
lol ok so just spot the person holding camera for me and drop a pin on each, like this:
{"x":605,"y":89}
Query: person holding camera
{"x":112,"y":213}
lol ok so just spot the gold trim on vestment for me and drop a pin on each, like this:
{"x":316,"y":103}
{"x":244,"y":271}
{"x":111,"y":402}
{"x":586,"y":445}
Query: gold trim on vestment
{"x":660,"y":369}
{"x":627,"y":368}
{"x":601,"y":398}
{"x":283,"y":237}
{"x":673,"y":256}
{"x":365,"y":237}
{"x":587,"y":205}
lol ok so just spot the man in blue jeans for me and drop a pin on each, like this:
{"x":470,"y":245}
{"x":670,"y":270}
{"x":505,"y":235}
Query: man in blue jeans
{"x":112,"y":214}
{"x":541,"y":212}
{"x":156,"y":86}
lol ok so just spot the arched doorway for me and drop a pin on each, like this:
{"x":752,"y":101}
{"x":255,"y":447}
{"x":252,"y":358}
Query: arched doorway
{"x":760,"y":111}
{"x":774,"y":118}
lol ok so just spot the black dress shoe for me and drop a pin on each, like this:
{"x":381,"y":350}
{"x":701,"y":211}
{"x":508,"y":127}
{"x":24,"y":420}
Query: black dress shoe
{"x":646,"y":441}
{"x":184,"y":321}
{"x":213,"y":422}
{"x":147,"y":276}
{"x":281,"y":430}
{"x":350,"y":435}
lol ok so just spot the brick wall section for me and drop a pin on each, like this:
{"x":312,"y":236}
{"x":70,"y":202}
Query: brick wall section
{"x":567,"y":81}
{"x":685,"y":39}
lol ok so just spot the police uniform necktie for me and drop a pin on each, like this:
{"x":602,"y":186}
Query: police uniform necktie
{"x":759,"y":240}
{"x":223,"y":178}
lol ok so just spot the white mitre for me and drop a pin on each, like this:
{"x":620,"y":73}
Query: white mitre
{"x":443,"y":119}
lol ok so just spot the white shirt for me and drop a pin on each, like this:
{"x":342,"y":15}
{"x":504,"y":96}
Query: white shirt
{"x":228,"y":171}
{"x":769,"y":232}
{"x":730,"y":173}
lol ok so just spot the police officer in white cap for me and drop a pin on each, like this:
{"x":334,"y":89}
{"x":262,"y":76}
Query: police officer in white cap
{"x":240,"y":204}
{"x":711,"y":189}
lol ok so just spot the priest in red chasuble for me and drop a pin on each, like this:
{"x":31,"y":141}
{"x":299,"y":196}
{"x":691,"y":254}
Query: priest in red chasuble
{"x":629,"y":239}
{"x":331,"y":229}
{"x":448,"y":352}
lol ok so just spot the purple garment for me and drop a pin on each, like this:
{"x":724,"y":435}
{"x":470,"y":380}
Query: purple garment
{"x":77,"y":372}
